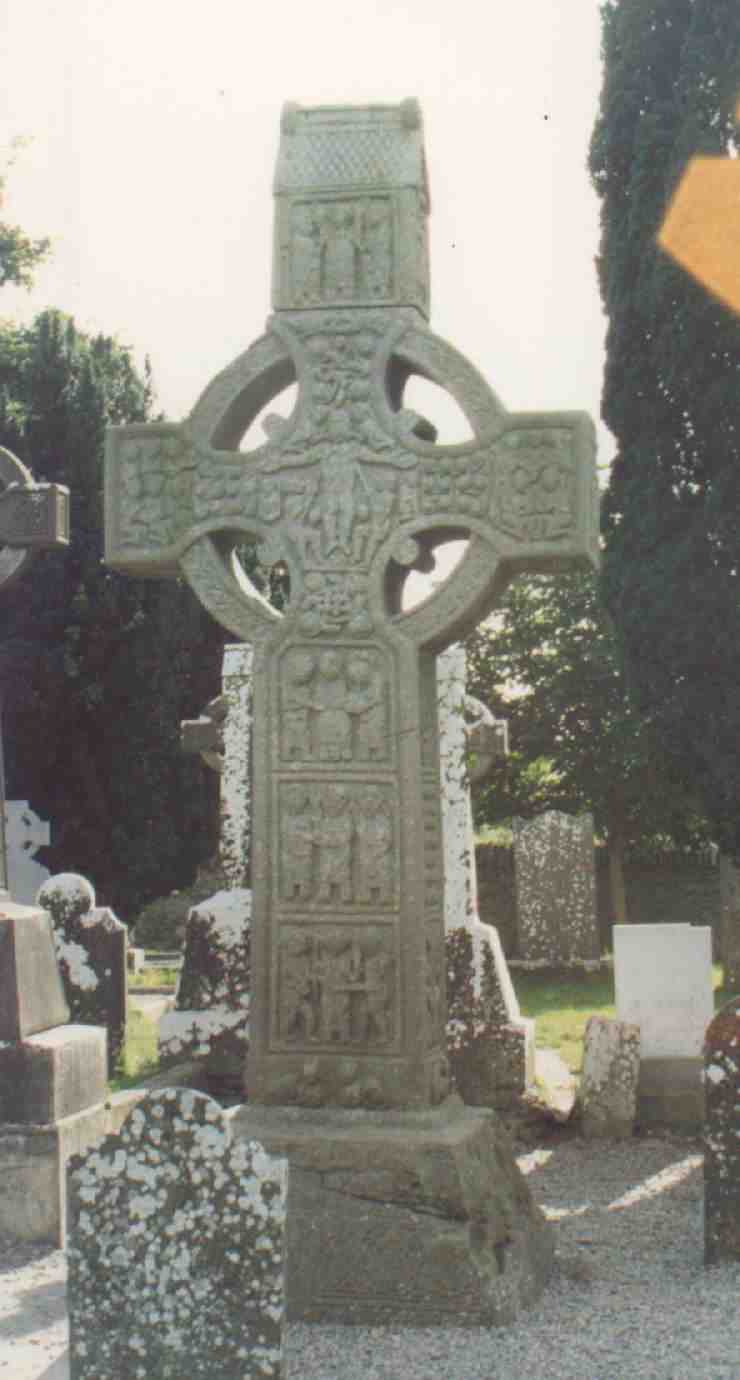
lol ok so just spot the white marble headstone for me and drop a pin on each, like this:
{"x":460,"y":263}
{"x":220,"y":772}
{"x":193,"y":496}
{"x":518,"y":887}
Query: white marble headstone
{"x":663,"y":983}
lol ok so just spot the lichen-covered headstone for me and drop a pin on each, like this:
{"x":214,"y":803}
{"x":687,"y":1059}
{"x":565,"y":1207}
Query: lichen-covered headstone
{"x":211,"y":1017}
{"x":176,"y":1252}
{"x":489,"y":1044}
{"x":556,"y":888}
{"x":611,"y":1070}
{"x":90,"y":947}
{"x":25,"y":833}
{"x":722,"y":1136}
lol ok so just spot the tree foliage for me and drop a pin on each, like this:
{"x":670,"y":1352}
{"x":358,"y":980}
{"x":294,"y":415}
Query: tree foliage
{"x":19,"y":255}
{"x":671,"y":396}
{"x":98,"y":668}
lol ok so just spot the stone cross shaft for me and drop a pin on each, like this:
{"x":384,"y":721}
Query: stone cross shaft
{"x":349,"y":494}
{"x":32,"y":517}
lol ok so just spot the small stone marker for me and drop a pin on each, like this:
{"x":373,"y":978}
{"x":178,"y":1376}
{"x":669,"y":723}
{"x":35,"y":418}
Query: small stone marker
{"x":663,"y":984}
{"x":176,"y":1252}
{"x":556,"y":889}
{"x":611,"y":1070}
{"x":722,"y":1136}
{"x":90,"y":946}
{"x":25,"y":833}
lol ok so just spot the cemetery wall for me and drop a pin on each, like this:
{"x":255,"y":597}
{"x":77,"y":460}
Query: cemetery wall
{"x":669,"y":891}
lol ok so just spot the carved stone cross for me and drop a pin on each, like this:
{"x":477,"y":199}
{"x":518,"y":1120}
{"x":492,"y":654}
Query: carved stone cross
{"x":32,"y":516}
{"x":349,"y":493}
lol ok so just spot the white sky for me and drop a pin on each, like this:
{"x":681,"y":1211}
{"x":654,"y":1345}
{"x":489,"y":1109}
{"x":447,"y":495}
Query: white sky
{"x":154,"y":128}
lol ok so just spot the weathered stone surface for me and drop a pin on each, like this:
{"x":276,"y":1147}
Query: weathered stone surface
{"x":210,"y":1022}
{"x":490,"y":1044}
{"x":404,"y":1217}
{"x":722,"y":1136}
{"x":349,"y":494}
{"x":663,"y":984}
{"x":556,"y":888}
{"x":31,"y":993}
{"x":176,"y":1249}
{"x":611,"y":1068}
{"x":53,"y":1074}
{"x":90,"y":945}
{"x":25,"y":833}
{"x":729,"y":924}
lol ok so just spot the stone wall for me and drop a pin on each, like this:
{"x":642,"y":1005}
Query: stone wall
{"x":677,"y":891}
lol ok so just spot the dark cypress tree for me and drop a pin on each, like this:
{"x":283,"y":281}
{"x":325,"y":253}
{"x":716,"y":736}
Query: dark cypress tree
{"x":671,"y":515}
{"x":97,"y":668}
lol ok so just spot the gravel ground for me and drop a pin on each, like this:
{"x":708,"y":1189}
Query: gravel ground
{"x":630,"y":1296}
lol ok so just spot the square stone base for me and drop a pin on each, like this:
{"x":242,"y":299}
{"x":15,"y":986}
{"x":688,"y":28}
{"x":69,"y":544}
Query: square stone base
{"x":33,"y":1167}
{"x":398,"y":1217}
{"x":50,"y":1076}
{"x":670,"y":1093}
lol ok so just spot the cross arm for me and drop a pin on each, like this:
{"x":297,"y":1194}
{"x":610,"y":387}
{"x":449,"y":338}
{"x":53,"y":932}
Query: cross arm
{"x":36,"y":516}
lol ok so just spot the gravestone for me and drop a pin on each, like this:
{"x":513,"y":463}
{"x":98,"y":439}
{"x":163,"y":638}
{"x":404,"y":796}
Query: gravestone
{"x":721,"y":1133}
{"x":729,"y":926}
{"x":663,"y":984}
{"x":556,"y":889}
{"x":25,"y":833}
{"x":349,"y":494}
{"x":176,"y":1248}
{"x":609,"y":1080}
{"x":91,"y":947}
{"x":52,"y":1074}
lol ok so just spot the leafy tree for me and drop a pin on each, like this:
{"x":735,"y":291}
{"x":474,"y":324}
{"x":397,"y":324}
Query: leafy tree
{"x":19,"y":255}
{"x":97,"y":668}
{"x":549,"y":664}
{"x":671,"y":515}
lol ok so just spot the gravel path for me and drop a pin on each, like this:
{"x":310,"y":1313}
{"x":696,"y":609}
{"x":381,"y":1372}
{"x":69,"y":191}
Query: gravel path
{"x":630,"y":1297}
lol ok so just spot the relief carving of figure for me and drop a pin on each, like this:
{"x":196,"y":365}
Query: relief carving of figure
{"x":296,"y":706}
{"x":366,"y":701}
{"x":374,"y":847}
{"x":299,"y":1006}
{"x":334,"y":729}
{"x":305,"y":255}
{"x":378,"y":995}
{"x":376,"y":255}
{"x":340,"y":242}
{"x":334,"y":837}
{"x":298,"y":828}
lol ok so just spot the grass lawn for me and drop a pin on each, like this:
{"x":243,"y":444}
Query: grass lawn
{"x":154,"y":977}
{"x":562,"y":1006}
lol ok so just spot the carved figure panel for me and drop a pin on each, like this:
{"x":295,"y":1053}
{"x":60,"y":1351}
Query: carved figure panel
{"x":341,"y":250}
{"x":335,"y":706}
{"x":338,"y":844}
{"x":336,"y":985}
{"x":535,"y":485}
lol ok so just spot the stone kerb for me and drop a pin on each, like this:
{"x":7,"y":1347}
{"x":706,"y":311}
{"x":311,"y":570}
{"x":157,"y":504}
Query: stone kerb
{"x":25,"y":833}
{"x":611,"y":1069}
{"x":91,"y":948}
{"x":210,"y":1022}
{"x":556,"y":889}
{"x":722,"y":1136}
{"x":176,"y":1253}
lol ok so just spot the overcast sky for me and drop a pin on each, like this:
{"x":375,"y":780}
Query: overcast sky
{"x":154,"y":127}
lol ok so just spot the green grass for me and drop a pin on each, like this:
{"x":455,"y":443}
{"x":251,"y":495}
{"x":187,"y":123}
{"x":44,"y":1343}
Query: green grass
{"x":140,"y":1056}
{"x":562,"y":1005}
{"x":154,"y":977}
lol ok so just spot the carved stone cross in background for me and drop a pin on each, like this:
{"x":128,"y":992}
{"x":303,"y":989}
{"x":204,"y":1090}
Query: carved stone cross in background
{"x":32,"y":517}
{"x":349,"y":493}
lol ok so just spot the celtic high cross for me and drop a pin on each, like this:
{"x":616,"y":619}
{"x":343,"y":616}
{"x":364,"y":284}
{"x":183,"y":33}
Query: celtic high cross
{"x":349,"y":493}
{"x":33,"y":517}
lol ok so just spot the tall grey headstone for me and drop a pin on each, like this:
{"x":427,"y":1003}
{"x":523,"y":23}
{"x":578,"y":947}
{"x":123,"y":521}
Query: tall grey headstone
{"x":176,"y":1248}
{"x":349,"y":494}
{"x":556,"y":888}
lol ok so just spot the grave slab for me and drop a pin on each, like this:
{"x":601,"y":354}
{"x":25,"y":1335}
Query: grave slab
{"x":176,"y":1248}
{"x":663,"y":984}
{"x":555,"y":884}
